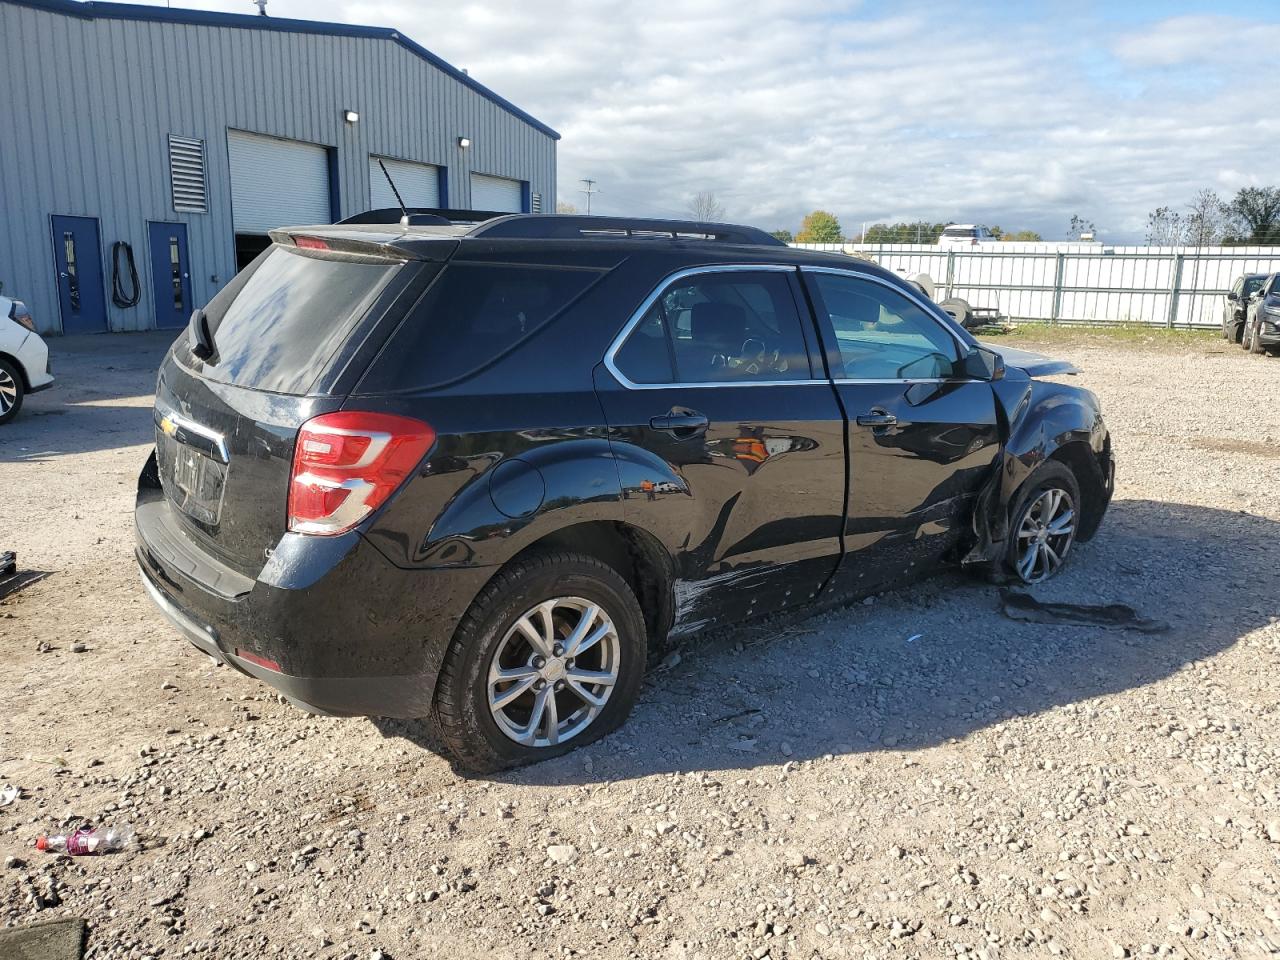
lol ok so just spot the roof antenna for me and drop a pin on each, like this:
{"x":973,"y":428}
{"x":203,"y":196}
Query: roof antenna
{"x":262,"y":7}
{"x":404,"y":214}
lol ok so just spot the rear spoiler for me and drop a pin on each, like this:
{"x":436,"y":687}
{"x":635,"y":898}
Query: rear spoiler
{"x":422,"y":216}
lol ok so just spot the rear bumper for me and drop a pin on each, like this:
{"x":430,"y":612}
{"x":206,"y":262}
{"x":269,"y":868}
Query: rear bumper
{"x":403,"y":696}
{"x":329,"y":621}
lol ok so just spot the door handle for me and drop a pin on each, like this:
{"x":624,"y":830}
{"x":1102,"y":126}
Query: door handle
{"x":877,"y":418}
{"x":681,"y":423}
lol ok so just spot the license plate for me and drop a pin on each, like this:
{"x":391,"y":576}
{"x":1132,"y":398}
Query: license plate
{"x":192,"y":481}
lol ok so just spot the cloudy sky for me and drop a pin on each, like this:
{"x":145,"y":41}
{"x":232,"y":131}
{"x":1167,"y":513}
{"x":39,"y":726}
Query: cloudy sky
{"x":1017,"y":114}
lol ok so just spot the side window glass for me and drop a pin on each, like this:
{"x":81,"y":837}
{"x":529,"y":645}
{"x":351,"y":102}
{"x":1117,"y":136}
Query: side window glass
{"x":731,"y":327}
{"x":882,"y":334}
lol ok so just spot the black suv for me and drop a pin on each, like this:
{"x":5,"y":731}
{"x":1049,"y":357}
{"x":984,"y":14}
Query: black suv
{"x":481,"y":473}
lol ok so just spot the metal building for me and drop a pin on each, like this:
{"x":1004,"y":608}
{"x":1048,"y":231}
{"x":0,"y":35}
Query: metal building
{"x":186,"y":135}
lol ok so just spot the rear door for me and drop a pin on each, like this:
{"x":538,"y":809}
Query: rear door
{"x":282,"y":332}
{"x":921,"y":438}
{"x":729,"y":443}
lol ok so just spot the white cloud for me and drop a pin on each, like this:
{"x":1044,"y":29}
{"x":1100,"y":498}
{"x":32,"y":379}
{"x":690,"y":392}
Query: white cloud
{"x":781,"y":106}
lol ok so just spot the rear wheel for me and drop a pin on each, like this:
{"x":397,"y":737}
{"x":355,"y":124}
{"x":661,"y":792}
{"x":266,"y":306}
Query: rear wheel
{"x":1043,"y":523}
{"x":11,"y":391}
{"x":549,"y":657}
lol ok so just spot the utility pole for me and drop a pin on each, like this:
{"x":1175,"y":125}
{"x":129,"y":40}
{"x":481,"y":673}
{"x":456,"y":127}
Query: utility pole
{"x":589,"y":190}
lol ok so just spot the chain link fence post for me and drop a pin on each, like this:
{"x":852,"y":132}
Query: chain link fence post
{"x":1175,"y":287}
{"x":1058,"y":272}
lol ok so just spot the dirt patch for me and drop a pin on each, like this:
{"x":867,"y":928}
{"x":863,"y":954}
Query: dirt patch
{"x":916,"y":776}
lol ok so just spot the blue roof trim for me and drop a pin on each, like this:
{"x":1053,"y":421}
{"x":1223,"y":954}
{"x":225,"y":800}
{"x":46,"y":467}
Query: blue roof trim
{"x":132,"y":11}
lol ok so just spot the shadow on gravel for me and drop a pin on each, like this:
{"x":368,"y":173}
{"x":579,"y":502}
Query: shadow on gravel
{"x":849,"y":681}
{"x":100,"y":400}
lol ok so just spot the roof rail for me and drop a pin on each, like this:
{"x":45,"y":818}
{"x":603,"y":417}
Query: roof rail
{"x":423,"y":216}
{"x":553,"y":226}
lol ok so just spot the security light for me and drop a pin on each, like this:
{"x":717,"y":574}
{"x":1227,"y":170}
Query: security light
{"x":350,"y":116}
{"x":464,"y":142}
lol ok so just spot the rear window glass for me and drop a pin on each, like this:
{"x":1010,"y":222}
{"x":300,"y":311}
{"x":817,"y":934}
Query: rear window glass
{"x":473,"y":314}
{"x":278,"y":323}
{"x":959,"y":232}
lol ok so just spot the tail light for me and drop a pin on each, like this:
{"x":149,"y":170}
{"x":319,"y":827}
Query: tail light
{"x":347,"y":464}
{"x":19,"y":313}
{"x":310,"y":243}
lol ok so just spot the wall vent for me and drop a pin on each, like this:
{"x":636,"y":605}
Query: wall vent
{"x":535,"y":203}
{"x":186,"y":175}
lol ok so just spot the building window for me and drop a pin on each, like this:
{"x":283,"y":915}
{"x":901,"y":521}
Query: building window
{"x":186,"y":174}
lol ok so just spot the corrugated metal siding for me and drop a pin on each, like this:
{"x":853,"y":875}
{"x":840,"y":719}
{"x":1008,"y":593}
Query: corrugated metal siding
{"x":418,"y":183}
{"x":275,"y":183}
{"x":88,"y":105}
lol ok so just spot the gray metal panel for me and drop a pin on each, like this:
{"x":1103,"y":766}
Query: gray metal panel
{"x":496,"y":193}
{"x":89,"y":103}
{"x":418,"y":183}
{"x":276,"y":183}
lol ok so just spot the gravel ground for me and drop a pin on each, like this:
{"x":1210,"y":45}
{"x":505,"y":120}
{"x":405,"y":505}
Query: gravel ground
{"x":811,"y":788}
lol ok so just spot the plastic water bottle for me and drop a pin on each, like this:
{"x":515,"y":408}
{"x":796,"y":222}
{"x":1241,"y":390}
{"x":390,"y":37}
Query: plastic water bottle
{"x":88,"y":841}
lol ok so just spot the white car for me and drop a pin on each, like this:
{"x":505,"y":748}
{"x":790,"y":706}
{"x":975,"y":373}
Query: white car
{"x":24,"y":358}
{"x":966,"y":235}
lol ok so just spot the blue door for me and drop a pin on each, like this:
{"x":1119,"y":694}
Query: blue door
{"x":170,"y":274}
{"x":77,"y":262}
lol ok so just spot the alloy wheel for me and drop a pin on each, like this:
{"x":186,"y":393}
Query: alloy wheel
{"x":554,"y":671}
{"x":8,"y":392}
{"x":1045,"y":534}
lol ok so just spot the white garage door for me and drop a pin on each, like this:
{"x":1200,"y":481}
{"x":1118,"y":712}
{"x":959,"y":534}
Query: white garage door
{"x":496,"y":193}
{"x":277,"y":183}
{"x":418,"y":183}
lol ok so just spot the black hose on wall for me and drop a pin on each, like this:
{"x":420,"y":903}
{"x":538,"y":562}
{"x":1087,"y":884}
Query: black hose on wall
{"x":118,"y":295}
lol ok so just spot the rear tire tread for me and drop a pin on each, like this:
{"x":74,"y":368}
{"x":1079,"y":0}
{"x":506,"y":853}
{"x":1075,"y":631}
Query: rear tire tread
{"x":459,"y":741}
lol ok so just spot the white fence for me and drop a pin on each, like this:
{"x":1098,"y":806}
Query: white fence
{"x":1079,"y":283}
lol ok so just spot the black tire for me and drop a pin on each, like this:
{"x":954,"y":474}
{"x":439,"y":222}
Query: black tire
{"x":1245,"y":339}
{"x":959,"y":310}
{"x":1254,"y":345}
{"x":469,"y":733}
{"x":11,"y":391}
{"x":1050,"y":475}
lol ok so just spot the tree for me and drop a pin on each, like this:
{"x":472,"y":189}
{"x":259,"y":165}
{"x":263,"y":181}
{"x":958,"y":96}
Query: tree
{"x":919,"y":231}
{"x":705,"y":207}
{"x":1259,"y":210}
{"x":1208,"y":219}
{"x":1165,"y":227}
{"x":1021,"y":236}
{"x":783,"y":235}
{"x":563,"y":206}
{"x":819,"y":227}
{"x":1078,"y":226}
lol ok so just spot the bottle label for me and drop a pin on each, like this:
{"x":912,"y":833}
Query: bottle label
{"x":83,"y":842}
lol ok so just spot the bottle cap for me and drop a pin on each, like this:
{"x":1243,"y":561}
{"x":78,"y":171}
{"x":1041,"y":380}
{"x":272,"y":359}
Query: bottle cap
{"x":42,"y":843}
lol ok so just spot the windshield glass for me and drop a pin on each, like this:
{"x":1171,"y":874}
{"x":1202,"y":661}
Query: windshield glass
{"x":959,"y":232}
{"x":1253,"y":284}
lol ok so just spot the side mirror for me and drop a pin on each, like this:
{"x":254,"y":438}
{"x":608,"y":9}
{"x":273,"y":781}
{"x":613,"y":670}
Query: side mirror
{"x":1232,"y":295}
{"x":981,"y":363}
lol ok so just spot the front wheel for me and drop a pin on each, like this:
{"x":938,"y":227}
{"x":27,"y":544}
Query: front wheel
{"x":1043,"y":523}
{"x":549,"y":657}
{"x":11,"y":391}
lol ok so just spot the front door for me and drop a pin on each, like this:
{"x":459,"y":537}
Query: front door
{"x":170,"y":274}
{"x":730,"y":446}
{"x":922,"y":439}
{"x":77,"y":263}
